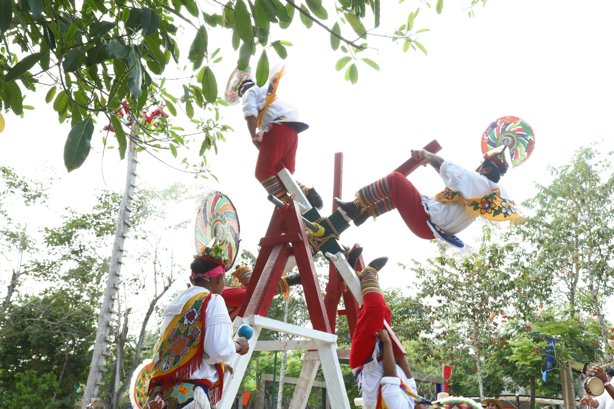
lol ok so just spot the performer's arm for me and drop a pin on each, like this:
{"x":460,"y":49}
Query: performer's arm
{"x":219,"y":344}
{"x":600,"y":373}
{"x":404,"y":365}
{"x":422,"y":155}
{"x":251,"y":126}
{"x":390,"y":367}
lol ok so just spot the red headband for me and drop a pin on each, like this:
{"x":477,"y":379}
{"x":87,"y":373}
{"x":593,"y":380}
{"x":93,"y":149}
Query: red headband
{"x":214,"y":272}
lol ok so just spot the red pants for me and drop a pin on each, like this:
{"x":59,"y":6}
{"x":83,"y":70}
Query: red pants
{"x":408,"y":201}
{"x":276,"y":151}
{"x":233,"y":297}
{"x":370,"y":321}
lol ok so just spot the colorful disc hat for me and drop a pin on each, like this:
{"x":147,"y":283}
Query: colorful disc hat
{"x":139,"y":384}
{"x":234,"y":82}
{"x":217,"y":224}
{"x":512,"y":132}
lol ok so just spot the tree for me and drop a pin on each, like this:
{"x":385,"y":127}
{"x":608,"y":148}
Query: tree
{"x":43,"y":350}
{"x":466,"y":291}
{"x":572,"y":232}
{"x":15,"y":240}
{"x":112,"y":59}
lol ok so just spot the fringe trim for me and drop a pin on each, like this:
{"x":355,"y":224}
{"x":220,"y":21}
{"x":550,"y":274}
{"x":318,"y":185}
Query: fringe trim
{"x":184,"y":371}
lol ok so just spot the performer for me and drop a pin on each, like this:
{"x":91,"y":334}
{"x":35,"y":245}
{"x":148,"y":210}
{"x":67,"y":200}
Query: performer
{"x":468,"y":194}
{"x":196,"y":340}
{"x":380,"y":379}
{"x":234,"y":296}
{"x":606,"y":399}
{"x":274,"y":127}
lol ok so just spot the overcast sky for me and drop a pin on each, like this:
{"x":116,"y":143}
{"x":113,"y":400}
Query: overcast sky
{"x":546,"y":61}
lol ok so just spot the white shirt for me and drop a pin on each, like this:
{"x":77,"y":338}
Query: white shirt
{"x":372,"y":375}
{"x":219,"y":345}
{"x":605,"y":401}
{"x":453,"y":217}
{"x":278,"y":112}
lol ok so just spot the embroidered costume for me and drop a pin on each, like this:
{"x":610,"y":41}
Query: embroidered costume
{"x":196,"y":339}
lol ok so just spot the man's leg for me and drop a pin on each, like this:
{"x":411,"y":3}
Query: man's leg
{"x":370,"y":318}
{"x":276,"y":151}
{"x":392,"y":192}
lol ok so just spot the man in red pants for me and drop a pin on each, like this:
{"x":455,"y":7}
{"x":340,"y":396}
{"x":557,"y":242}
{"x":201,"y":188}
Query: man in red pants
{"x":468,"y":194}
{"x":274,"y":127}
{"x":380,"y":379}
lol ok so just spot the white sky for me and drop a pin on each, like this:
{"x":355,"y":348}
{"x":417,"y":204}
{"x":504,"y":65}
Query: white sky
{"x":546,"y":61}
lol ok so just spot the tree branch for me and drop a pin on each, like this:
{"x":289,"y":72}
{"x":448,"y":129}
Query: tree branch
{"x":310,"y":17}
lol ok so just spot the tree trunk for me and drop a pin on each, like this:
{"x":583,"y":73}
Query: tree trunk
{"x":94,"y":379}
{"x":532,"y":393}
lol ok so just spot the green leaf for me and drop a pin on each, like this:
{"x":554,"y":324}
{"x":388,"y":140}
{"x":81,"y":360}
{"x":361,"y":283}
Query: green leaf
{"x":243,"y":21}
{"x":356,"y":24}
{"x":191,"y":6}
{"x":15,"y":97}
{"x":50,"y":94}
{"x":334,"y":36}
{"x":100,"y":28}
{"x":72,"y":60}
{"x":371,"y":63}
{"x":209,"y":85}
{"x":421,"y":47}
{"x":78,"y":145}
{"x":410,"y":21}
{"x":305,"y":19}
{"x":406,"y":45}
{"x":173,"y":150}
{"x":245,"y":54}
{"x":135,"y":80}
{"x":353,"y":73}
{"x":189,"y":110}
{"x":134,"y":20}
{"x":22,"y":67}
{"x":171,"y":108}
{"x":439,"y":6}
{"x":36,"y":7}
{"x":262,"y":69}
{"x":280,"y":49}
{"x":316,"y":8}
{"x":115,"y":49}
{"x":198,"y":49}
{"x":342,"y":62}
{"x":150,"y":21}
{"x":49,"y":36}
{"x":61,"y":102}
{"x":6,"y":14}
{"x":120,"y":135}
{"x":376,"y":12}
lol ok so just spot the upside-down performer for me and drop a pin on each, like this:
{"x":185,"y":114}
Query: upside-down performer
{"x":196,"y":341}
{"x":383,"y":383}
{"x":274,"y":127}
{"x":468,"y":194}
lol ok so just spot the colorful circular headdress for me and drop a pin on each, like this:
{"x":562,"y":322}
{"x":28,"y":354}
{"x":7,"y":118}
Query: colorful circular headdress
{"x":217,"y":229}
{"x":456,"y":402}
{"x":513,"y":133}
{"x":234,"y":82}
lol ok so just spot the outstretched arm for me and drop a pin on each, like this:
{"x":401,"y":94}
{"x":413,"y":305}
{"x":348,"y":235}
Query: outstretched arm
{"x":404,"y":365}
{"x":390,"y":367}
{"x":434,"y":160}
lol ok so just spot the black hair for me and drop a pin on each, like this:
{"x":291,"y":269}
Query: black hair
{"x":200,"y":266}
{"x":610,"y":371}
{"x":245,"y":85}
{"x":495,"y":173}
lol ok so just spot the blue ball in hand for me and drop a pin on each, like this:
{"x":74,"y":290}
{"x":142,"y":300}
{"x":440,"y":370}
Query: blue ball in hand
{"x":245,"y":331}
